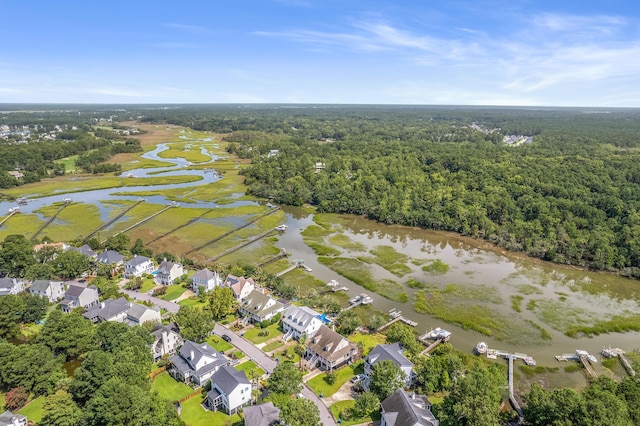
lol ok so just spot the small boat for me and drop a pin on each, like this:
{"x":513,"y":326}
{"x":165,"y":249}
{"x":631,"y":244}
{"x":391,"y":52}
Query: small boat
{"x":333,"y":283}
{"x":592,"y":358}
{"x":14,"y":210}
{"x":281,"y":228}
{"x":481,"y":348}
{"x":365,"y":299}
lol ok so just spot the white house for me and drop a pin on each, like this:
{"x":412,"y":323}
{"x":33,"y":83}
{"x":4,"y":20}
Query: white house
{"x":241,"y":286}
{"x":9,"y":419}
{"x":109,"y":310}
{"x":52,"y":290}
{"x":76,"y":297}
{"x":196,"y":362}
{"x":329,"y":350}
{"x":204,"y":280}
{"x":258,"y":307}
{"x":137,"y":266}
{"x":138,"y":314}
{"x":11,"y":286}
{"x":167,"y":341}
{"x":299,"y":320}
{"x":230,"y":390}
{"x":392,"y":352}
{"x":168,"y":272}
{"x":401,"y":408}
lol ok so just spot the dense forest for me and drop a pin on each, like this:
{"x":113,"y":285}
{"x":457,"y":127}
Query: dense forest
{"x":571,"y":196}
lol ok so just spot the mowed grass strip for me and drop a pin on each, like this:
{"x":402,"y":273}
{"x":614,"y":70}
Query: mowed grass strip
{"x":194,"y":415}
{"x":252,"y":334}
{"x":320,"y":385}
{"x":248,"y":367}
{"x":169,"y":388}
{"x":33,"y":410}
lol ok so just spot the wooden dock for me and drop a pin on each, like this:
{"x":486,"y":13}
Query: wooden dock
{"x":283,"y":253}
{"x":395,"y":317}
{"x":241,"y":245}
{"x":512,"y":398}
{"x":11,"y":213}
{"x":146,"y":219}
{"x":617,"y":352}
{"x":51,"y":219}
{"x":588,"y":367}
{"x":298,"y":263}
{"x":111,"y":221}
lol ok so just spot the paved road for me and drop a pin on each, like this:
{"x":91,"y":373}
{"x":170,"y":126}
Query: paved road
{"x":268,"y":364}
{"x":169,"y":306}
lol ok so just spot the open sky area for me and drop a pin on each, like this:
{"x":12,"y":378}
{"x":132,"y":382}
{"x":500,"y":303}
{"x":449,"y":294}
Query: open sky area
{"x":464,"y":52}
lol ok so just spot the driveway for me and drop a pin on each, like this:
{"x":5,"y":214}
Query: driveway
{"x":268,"y":364}
{"x":165,"y":304}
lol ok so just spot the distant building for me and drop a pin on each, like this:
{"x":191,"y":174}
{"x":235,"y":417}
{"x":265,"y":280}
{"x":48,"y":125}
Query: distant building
{"x":404,"y":409}
{"x":86,"y":251}
{"x":110,"y":257}
{"x":79,"y":297}
{"x":52,"y":290}
{"x":11,"y":286}
{"x":137,"y":266}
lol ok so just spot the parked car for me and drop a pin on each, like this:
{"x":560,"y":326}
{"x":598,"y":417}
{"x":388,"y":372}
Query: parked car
{"x":357,"y":378}
{"x":226,"y":338}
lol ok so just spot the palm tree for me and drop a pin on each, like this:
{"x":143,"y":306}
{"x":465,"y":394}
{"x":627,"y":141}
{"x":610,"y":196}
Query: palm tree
{"x":301,"y":347}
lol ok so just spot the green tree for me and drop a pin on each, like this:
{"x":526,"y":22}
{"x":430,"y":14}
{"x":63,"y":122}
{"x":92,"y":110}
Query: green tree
{"x":39,"y":271}
{"x":348,"y":322}
{"x":140,"y":249}
{"x":33,"y":366}
{"x":285,"y":379}
{"x":404,"y":334}
{"x":386,"y":377}
{"x":561,"y":407}
{"x":16,"y":255}
{"x":300,"y":348}
{"x":34,"y":307}
{"x":300,"y":412}
{"x":194,"y":323}
{"x":68,"y":335}
{"x":60,"y":410}
{"x":107,"y":288}
{"x":119,"y":242}
{"x":221,"y":302}
{"x":366,"y":404}
{"x":11,"y":310}
{"x":16,"y":398}
{"x":70,"y":264}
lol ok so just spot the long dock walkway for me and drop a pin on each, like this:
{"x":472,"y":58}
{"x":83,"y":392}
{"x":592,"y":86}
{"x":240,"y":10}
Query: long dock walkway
{"x":617,"y":352}
{"x":241,"y":245}
{"x":11,"y":213}
{"x":48,"y":222}
{"x":512,"y":398}
{"x":191,"y":221}
{"x":146,"y":219}
{"x":283,"y":253}
{"x":588,"y":367}
{"x":226,"y":234}
{"x":298,"y":263}
{"x":112,"y":220}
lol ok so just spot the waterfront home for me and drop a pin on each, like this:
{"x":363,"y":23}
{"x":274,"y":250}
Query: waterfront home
{"x":240,"y":286}
{"x":299,"y":320}
{"x":258,"y":307}
{"x":329,"y":350}
{"x":196,"y":363}
{"x":392,"y":352}
{"x":110,"y":257}
{"x":109,"y":310}
{"x":137,"y":266}
{"x":52,"y":290}
{"x":79,"y":297}
{"x":86,"y":251}
{"x":166,"y":341}
{"x":168,"y":272}
{"x":230,"y":390}
{"x":11,"y":286}
{"x":265,"y":414}
{"x":204,"y":280}
{"x":404,"y":409}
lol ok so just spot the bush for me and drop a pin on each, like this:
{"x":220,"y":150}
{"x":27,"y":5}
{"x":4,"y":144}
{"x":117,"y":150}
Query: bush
{"x":160,"y":291}
{"x":263,"y":333}
{"x":265,"y":323}
{"x":331,"y":378}
{"x":276,"y":318}
{"x":16,"y":398}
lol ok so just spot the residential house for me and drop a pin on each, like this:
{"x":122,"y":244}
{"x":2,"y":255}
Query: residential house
{"x":9,"y":419}
{"x":138,"y":314}
{"x":109,"y":310}
{"x":299,"y":320}
{"x":168,"y":272}
{"x":167,"y":341}
{"x":85,"y":250}
{"x":392,"y":352}
{"x":52,"y":290}
{"x":49,"y":251}
{"x":16,"y":174}
{"x":403,"y":409}
{"x":76,"y":297}
{"x":329,"y":350}
{"x":137,"y":266}
{"x":241,"y":286}
{"x":258,"y":307}
{"x":110,"y":257}
{"x":204,"y":280}
{"x":196,"y":363}
{"x":11,"y":286}
{"x":230,"y":390}
{"x":265,"y":414}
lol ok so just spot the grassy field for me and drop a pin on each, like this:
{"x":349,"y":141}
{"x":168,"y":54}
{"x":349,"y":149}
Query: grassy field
{"x":170,"y":389}
{"x":273,"y":346}
{"x":69,"y":163}
{"x":249,"y":366}
{"x":369,"y":341}
{"x":341,"y":406}
{"x":190,"y":151}
{"x":194,"y":415}
{"x":218,"y":344}
{"x":33,"y":410}
{"x":252,"y":334}
{"x":320,"y":385}
{"x":173,"y":292}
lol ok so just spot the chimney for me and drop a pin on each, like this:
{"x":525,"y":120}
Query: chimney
{"x":192,"y":354}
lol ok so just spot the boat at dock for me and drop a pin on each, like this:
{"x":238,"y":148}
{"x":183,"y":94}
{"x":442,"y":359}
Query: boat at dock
{"x":481,"y":348}
{"x":582,"y":353}
{"x":281,"y":228}
{"x":437,"y":334}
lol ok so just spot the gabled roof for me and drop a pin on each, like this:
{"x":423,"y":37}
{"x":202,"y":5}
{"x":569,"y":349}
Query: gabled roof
{"x":256,"y":303}
{"x":85,"y":249}
{"x":110,"y":256}
{"x":261,"y":415}
{"x":8,"y":283}
{"x":76,"y":290}
{"x":166,"y":266}
{"x":6,"y":418}
{"x":228,"y":378}
{"x":191,"y":353}
{"x":42,"y":285}
{"x":329,"y":344}
{"x":160,"y":328}
{"x":108,"y":309}
{"x":136,"y":311}
{"x":402,"y":409}
{"x":237,"y":283}
{"x":138,"y":260}
{"x":204,"y":275}
{"x":391,"y":352}
{"x":300,"y":315}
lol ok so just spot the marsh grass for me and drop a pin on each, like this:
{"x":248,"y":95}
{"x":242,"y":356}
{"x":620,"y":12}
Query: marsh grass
{"x":572,"y":368}
{"x":528,"y":289}
{"x":562,"y":317}
{"x":359,"y":273}
{"x":530,"y":371}
{"x":544,"y":334}
{"x":617,"y":324}
{"x":346,"y":243}
{"x":315,"y":231}
{"x":516,"y":300}
{"x":413,"y":283}
{"x":436,"y":267}
{"x":389,"y":259}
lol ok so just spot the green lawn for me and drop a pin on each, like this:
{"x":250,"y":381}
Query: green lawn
{"x":169,"y":388}
{"x":147,"y":284}
{"x":290,"y":355}
{"x":2,"y":401}
{"x":370,"y":341}
{"x":252,"y":334}
{"x":273,"y":345}
{"x":192,"y":301}
{"x":194,"y":415}
{"x":338,"y":407}
{"x":319,"y":385}
{"x":218,"y":344}
{"x":174,"y":291}
{"x":248,"y":366}
{"x":33,"y":410}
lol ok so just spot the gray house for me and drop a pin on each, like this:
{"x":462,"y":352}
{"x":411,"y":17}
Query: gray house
{"x":196,"y":363}
{"x":262,"y":415}
{"x":167,"y":341}
{"x":85,"y":250}
{"x":403,"y":409}
{"x":11,"y":286}
{"x":230,"y":390}
{"x":258,"y":307}
{"x":109,"y":310}
{"x":393,"y":353}
{"x":138,"y":265}
{"x":168,"y":272}
{"x":204,"y":280}
{"x":110,"y":257}
{"x":52,"y":290}
{"x":76,"y":297}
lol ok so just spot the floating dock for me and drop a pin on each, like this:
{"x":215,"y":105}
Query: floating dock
{"x":395,"y":317}
{"x":433,"y":338}
{"x":585,"y":358}
{"x":298,"y":263}
{"x":617,"y":352}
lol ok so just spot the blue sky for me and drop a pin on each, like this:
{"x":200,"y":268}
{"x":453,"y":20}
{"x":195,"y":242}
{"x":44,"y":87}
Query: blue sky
{"x":495,"y":52}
